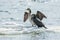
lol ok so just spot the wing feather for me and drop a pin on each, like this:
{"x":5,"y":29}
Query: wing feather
{"x":25,"y":16}
{"x":40,"y":15}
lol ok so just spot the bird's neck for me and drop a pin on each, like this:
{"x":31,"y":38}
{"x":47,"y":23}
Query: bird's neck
{"x":29,"y":15}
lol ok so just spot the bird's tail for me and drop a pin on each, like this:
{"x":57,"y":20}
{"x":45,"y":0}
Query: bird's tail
{"x":45,"y":27}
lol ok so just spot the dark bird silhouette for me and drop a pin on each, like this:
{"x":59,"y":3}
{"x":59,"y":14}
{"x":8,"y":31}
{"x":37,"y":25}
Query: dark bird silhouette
{"x":37,"y":22}
{"x":28,"y":15}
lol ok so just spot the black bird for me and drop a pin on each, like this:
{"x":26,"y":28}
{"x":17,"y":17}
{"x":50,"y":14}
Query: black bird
{"x":37,"y":22}
{"x":28,"y":15}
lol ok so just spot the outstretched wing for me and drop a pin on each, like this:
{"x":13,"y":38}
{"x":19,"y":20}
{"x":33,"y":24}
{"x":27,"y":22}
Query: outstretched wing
{"x":25,"y":16}
{"x":40,"y":15}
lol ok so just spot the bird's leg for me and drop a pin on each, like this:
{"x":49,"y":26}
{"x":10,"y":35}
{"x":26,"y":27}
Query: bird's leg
{"x":34,"y":25}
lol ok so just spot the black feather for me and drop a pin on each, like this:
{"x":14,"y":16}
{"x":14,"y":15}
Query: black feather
{"x":37,"y":22}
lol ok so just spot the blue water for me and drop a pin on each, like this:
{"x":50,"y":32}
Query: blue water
{"x":12,"y":12}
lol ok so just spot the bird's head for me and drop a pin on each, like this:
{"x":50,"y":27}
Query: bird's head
{"x":38,"y":11}
{"x":33,"y":16}
{"x":28,"y":10}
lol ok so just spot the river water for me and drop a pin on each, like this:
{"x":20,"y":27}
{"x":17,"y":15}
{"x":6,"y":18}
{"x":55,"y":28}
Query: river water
{"x":12,"y":13}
